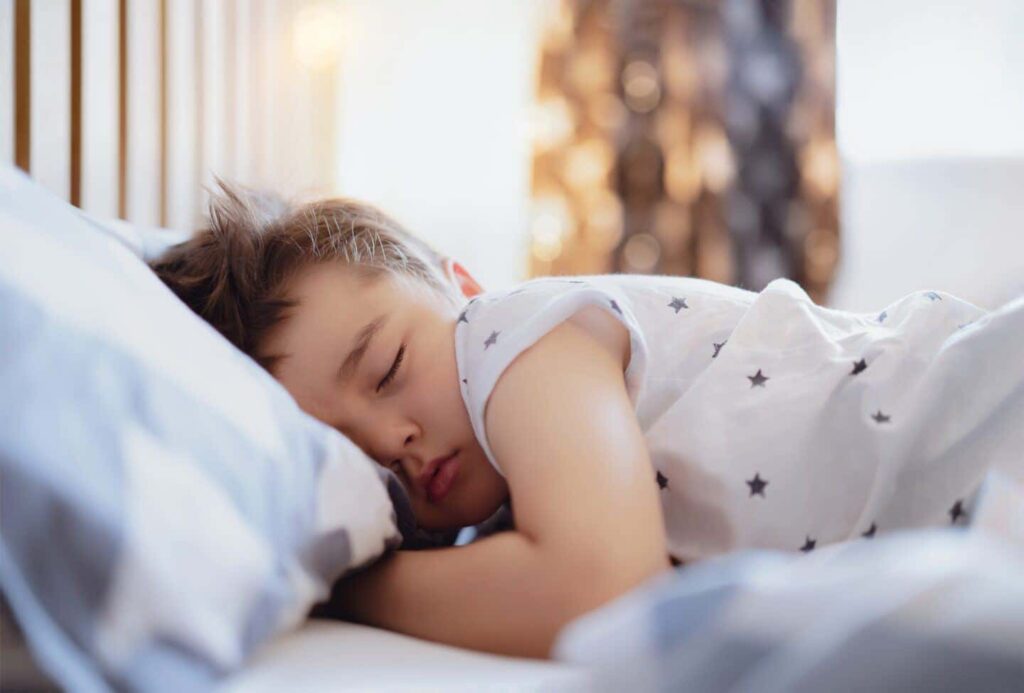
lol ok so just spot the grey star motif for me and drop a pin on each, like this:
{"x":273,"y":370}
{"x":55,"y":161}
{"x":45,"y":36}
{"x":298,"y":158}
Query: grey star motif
{"x":757,"y":485}
{"x":662,"y":480}
{"x":871,"y":531}
{"x":465,"y":382}
{"x":957,"y":511}
{"x":858,"y":366}
{"x":933,"y":296}
{"x":615,"y":307}
{"x":493,"y":339}
{"x":879,"y":417}
{"x":809,"y":545}
{"x":463,"y":318}
{"x":718,"y":347}
{"x":882,"y":316}
{"x":677,"y":304}
{"x":758,"y":379}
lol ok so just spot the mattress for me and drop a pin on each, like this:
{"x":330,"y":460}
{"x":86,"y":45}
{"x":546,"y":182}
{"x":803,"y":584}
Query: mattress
{"x":337,"y":656}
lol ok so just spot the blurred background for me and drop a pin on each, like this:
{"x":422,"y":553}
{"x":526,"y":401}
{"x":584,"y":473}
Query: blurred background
{"x":863,"y":148}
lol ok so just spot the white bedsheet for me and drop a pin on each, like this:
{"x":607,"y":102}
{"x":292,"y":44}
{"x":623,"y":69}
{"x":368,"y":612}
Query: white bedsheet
{"x":337,"y":656}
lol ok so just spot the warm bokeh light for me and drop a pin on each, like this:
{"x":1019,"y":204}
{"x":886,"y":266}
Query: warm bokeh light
{"x":688,"y":138}
{"x":317,"y":35}
{"x":587,"y":164}
{"x":640,"y":85}
{"x":551,"y":123}
{"x":551,"y":225}
{"x":715,"y":156}
{"x":642,"y":252}
{"x":820,"y":166}
{"x":603,"y":220}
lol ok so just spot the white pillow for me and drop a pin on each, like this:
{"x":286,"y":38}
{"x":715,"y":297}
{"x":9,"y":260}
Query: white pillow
{"x":165,"y":506}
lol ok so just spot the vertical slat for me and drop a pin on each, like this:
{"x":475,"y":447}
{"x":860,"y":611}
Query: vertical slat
{"x":142,"y":184}
{"x":242,"y":83}
{"x":266,"y":63}
{"x":101,"y":121}
{"x":75,"y":154}
{"x":182,"y":183}
{"x":50,"y":142}
{"x":324,"y":96}
{"x":22,"y":85}
{"x":6,"y":83}
{"x":213,"y":118}
{"x":122,"y":108}
{"x":282,"y":120}
{"x":162,"y":108}
{"x":230,"y":106}
{"x":295,"y":115}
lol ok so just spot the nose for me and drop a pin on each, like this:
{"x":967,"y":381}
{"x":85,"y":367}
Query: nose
{"x":397,"y":442}
{"x":386,"y":435}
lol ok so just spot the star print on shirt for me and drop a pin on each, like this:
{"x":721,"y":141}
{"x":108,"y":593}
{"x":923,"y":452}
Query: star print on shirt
{"x":678,"y":304}
{"x":758,"y":379}
{"x":718,"y":347}
{"x":933,"y":296}
{"x":493,"y":339}
{"x":871,"y":531}
{"x":882,"y":316}
{"x":662,"y":480}
{"x":879,"y":417}
{"x":463,"y":318}
{"x":809,"y":545}
{"x":858,"y":367}
{"x":757,"y":486}
{"x":615,"y":307}
{"x":957,"y":511}
{"x":465,"y":382}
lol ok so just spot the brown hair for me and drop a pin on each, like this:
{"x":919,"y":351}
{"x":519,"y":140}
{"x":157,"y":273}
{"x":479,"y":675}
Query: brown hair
{"x":235,"y":272}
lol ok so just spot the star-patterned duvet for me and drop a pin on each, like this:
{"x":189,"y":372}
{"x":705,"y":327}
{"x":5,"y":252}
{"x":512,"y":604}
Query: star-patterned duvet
{"x":774,"y":422}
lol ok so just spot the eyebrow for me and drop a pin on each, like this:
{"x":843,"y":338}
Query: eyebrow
{"x":363,"y":339}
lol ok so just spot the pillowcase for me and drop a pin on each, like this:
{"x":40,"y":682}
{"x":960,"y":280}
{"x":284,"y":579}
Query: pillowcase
{"x":166,"y":506}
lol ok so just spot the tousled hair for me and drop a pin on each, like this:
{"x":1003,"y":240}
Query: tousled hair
{"x":235,"y":272}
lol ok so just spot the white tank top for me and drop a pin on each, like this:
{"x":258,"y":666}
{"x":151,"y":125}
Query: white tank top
{"x":773,"y":422}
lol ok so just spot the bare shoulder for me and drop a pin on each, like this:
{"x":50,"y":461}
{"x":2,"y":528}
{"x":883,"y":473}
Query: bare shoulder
{"x":562,"y":427}
{"x":606,"y":331}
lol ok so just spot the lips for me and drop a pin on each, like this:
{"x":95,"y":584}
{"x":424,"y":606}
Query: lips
{"x":438,"y":476}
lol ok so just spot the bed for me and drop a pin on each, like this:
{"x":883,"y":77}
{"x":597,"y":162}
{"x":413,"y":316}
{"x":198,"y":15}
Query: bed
{"x":90,"y":337}
{"x":935,"y":610}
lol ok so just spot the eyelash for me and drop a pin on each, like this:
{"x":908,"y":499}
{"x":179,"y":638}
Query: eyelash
{"x":394,"y":370}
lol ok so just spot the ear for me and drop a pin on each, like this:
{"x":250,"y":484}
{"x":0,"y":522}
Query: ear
{"x":461,"y":278}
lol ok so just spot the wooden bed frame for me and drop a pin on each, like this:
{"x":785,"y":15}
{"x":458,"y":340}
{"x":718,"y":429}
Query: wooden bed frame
{"x":126,"y":108}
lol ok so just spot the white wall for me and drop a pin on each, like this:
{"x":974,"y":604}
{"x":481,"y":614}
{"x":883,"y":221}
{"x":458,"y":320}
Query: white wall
{"x":929,"y":78}
{"x":433,"y":99}
{"x":930,"y":106}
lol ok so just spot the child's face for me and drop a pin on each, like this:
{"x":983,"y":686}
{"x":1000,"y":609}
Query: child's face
{"x":402,"y":421}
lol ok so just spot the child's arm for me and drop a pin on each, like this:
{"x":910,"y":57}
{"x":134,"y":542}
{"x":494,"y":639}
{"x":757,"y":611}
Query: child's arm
{"x":499,"y":594}
{"x":588,"y":519}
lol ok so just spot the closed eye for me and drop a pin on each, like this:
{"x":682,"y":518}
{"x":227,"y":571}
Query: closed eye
{"x":394,"y":369}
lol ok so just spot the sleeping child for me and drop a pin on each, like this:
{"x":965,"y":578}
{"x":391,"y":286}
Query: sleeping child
{"x":630,"y":422}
